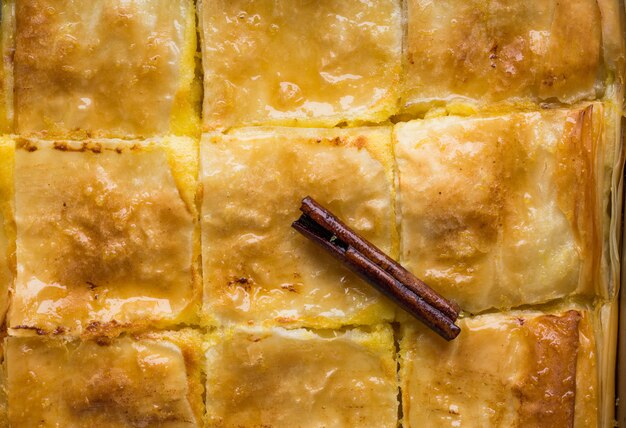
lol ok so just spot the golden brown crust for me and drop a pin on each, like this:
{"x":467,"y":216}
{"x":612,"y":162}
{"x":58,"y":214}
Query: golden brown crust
{"x":274,"y":377}
{"x":500,"y":211}
{"x":108,"y":210}
{"x":516,"y":369}
{"x":192,"y":344}
{"x":502,"y":50}
{"x":116,"y":383}
{"x":299,"y":62}
{"x":549,"y":390}
{"x":572,"y":62}
{"x":589,"y":394}
{"x":496,"y":211}
{"x":253,"y":181}
{"x":109,"y":69}
{"x":579,"y":158}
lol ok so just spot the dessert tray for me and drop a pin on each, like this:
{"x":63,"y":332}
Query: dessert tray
{"x":155,"y":153}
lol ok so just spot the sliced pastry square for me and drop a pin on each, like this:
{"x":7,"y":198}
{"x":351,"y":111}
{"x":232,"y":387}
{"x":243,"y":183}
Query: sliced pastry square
{"x":305,"y":63}
{"x":105,"y":234}
{"x":109,"y":68}
{"x":7,"y":46}
{"x":146,"y":381}
{"x":506,"y":210}
{"x":288,"y":378}
{"x":500,"y":50}
{"x":256,"y":268}
{"x":507,"y":369}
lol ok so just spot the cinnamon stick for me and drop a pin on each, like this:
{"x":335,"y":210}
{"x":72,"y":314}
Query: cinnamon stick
{"x":375,"y":267}
{"x":395,"y":290}
{"x":323,"y":217}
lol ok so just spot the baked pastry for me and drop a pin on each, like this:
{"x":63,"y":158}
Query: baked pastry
{"x":113,"y":69}
{"x":107,"y":210}
{"x":277,"y":377}
{"x":473,"y":52}
{"x":150,"y":271}
{"x":506,"y":210}
{"x":305,"y":63}
{"x":151,"y":380}
{"x":512,"y":369}
{"x":252,"y":181}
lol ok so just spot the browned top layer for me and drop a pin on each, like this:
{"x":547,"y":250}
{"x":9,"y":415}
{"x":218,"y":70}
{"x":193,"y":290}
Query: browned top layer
{"x":523,"y":369}
{"x":111,"y":68}
{"x":549,"y":389}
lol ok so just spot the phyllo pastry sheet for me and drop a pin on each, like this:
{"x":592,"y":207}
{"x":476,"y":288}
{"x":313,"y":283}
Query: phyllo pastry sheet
{"x":288,"y":378}
{"x":5,"y":271}
{"x":106,"y":234}
{"x":506,"y":210}
{"x":7,"y":225}
{"x":515,"y":51}
{"x":255,"y":267}
{"x":303,"y":63}
{"x":146,"y":381}
{"x":509,"y":369}
{"x":106,"y":68}
{"x":7,"y":46}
